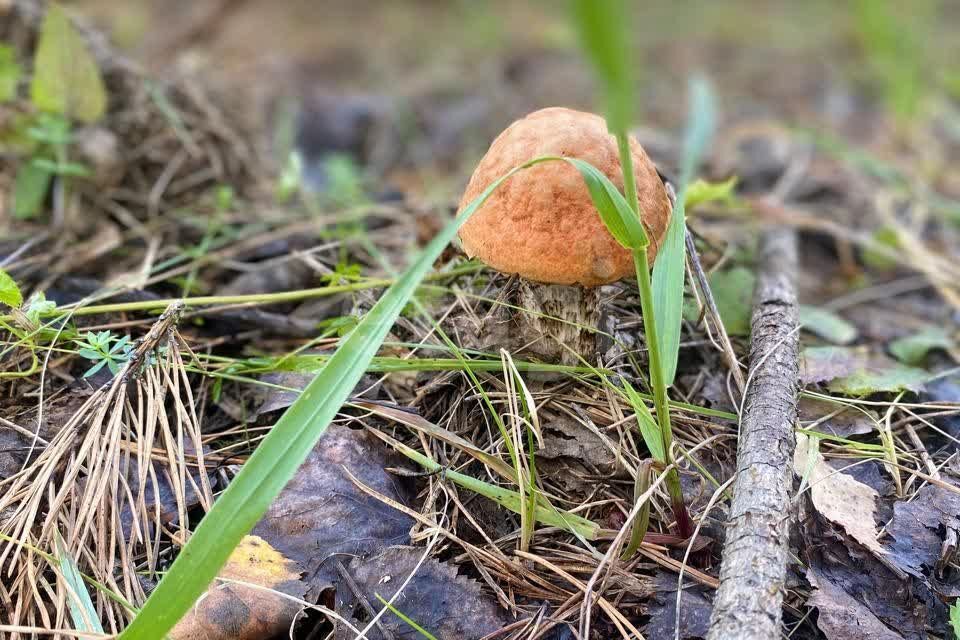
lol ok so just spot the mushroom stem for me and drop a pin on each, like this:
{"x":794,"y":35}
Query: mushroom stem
{"x":562,"y":319}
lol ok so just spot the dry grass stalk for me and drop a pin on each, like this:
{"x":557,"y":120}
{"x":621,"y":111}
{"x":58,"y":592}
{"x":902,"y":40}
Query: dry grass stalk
{"x":100,"y":484}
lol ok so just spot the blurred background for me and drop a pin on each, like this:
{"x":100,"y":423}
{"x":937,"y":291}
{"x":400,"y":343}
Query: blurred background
{"x":428,"y":83}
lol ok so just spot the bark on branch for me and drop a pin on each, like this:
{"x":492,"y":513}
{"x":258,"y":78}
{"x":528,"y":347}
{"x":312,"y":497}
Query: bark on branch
{"x":749,"y":600}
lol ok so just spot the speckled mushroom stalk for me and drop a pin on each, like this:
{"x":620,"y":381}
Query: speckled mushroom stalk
{"x":541,"y":224}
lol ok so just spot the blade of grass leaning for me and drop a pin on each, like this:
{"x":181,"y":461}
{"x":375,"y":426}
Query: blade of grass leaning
{"x":668,"y":270}
{"x":290,"y":440}
{"x":392,"y":609}
{"x":649,"y":429}
{"x":279,"y":455}
{"x":617,"y":215}
{"x":82,"y":611}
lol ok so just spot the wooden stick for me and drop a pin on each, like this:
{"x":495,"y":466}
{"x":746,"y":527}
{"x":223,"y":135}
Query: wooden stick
{"x":748,"y":603}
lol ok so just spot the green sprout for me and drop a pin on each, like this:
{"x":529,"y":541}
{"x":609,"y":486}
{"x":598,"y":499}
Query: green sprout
{"x":105,"y":350}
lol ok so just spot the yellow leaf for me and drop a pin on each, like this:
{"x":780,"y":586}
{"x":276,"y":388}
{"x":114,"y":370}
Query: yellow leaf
{"x":66,"y":79}
{"x":234,"y":608}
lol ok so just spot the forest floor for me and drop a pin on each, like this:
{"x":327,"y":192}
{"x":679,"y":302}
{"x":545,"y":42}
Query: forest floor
{"x":191,"y":194}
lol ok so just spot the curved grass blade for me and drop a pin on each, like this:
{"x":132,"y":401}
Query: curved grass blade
{"x":668,"y":270}
{"x":280,"y":454}
{"x":621,"y":220}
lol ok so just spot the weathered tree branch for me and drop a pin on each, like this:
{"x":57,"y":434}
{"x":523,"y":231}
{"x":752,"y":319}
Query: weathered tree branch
{"x":749,"y":601}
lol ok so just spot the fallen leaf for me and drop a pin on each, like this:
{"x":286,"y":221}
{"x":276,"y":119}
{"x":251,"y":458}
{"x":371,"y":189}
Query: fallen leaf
{"x":822,"y":364}
{"x":916,"y":529}
{"x":695,"y":608}
{"x":854,"y":371}
{"x":232,"y":611}
{"x":838,"y":497}
{"x":437,"y":598}
{"x":827,"y":325}
{"x":913,"y":349}
{"x":733,"y":293}
{"x":569,"y":443}
{"x":843,"y":617}
{"x":321,"y":516}
{"x":877,"y":379}
{"x":844,"y":421}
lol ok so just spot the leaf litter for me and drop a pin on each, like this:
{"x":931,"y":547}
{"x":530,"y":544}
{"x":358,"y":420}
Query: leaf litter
{"x":863,"y":535}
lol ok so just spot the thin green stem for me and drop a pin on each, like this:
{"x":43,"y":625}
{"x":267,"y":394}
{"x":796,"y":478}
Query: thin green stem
{"x":249,"y":299}
{"x":660,"y":400}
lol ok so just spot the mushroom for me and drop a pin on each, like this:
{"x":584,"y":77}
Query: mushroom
{"x":541,"y":223}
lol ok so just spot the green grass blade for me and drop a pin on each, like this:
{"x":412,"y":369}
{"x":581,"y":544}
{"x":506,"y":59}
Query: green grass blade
{"x":506,"y":498}
{"x":668,"y":270}
{"x":82,"y":611}
{"x":604,"y":27}
{"x":392,"y":609}
{"x":649,"y":429}
{"x":280,"y":454}
{"x":620,"y":219}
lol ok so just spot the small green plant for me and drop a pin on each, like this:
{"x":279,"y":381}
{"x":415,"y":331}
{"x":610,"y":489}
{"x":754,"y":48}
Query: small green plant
{"x":51,"y":137}
{"x":38,"y":306}
{"x":105,"y":350}
{"x":345,"y":183}
{"x":9,"y":291}
{"x":66,"y":87}
{"x":605,"y":31}
{"x":290,"y":181}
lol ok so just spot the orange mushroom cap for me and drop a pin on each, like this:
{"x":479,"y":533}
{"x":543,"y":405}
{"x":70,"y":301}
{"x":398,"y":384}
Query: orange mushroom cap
{"x":541,"y":223}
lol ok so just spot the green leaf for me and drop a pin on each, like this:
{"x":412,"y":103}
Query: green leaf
{"x":913,"y":349}
{"x":889,"y":379}
{"x":82,"y":611}
{"x":10,"y":73}
{"x":733,"y":293}
{"x":604,"y":27}
{"x":9,"y":291}
{"x":701,"y":192}
{"x":290,"y":440}
{"x":621,"y":220}
{"x":649,"y":429}
{"x":955,"y":618}
{"x":668,"y":270}
{"x":66,"y":79}
{"x":827,"y":325}
{"x":29,"y":190}
{"x":884,"y":238}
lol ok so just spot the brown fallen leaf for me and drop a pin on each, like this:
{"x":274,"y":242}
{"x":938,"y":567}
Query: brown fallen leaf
{"x":442,"y":602}
{"x":916,"y":542}
{"x":321,"y":516}
{"x":838,"y":497}
{"x":836,"y":419}
{"x":842,"y":617}
{"x":234,"y":611}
